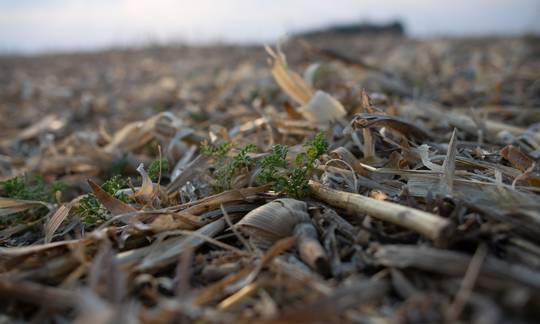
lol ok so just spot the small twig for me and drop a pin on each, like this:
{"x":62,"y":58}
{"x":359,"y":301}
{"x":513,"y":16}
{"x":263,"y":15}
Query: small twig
{"x":427,"y":224}
{"x":211,"y":241}
{"x":183,"y":273}
{"x":467,"y":284}
{"x":36,"y":294}
{"x":235,"y":231}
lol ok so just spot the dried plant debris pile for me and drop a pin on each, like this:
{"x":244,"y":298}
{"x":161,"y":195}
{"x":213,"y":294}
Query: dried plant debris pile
{"x":366,"y":180}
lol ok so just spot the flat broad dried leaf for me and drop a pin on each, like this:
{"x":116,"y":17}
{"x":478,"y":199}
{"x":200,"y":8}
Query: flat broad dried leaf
{"x":522,"y":162}
{"x":112,"y":204}
{"x":138,"y":133}
{"x":56,"y":220}
{"x":10,"y":206}
{"x":518,"y":159}
{"x":31,"y":249}
{"x":167,"y":251}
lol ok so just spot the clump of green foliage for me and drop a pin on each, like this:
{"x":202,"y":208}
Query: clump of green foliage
{"x":31,"y":187}
{"x":228,"y":170}
{"x":216,"y":150}
{"x":228,"y":167}
{"x":273,"y":163}
{"x":91,"y":210}
{"x":292,"y":180}
{"x":157,"y":167}
{"x":274,"y":168}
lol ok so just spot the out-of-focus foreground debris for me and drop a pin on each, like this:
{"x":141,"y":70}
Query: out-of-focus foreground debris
{"x":354,"y":178}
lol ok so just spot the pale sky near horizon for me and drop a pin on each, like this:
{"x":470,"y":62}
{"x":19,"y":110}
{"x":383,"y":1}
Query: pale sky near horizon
{"x":58,"y":25}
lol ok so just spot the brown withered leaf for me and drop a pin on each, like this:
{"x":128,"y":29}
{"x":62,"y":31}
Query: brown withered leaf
{"x":56,"y":220}
{"x":368,"y":120}
{"x":112,"y":204}
{"x":522,"y":162}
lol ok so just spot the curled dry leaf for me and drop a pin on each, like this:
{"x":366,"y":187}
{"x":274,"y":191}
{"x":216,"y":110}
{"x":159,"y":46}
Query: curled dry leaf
{"x":322,"y":108}
{"x":282,"y":218}
{"x":149,"y":192}
{"x":368,"y":120}
{"x":138,"y":133}
{"x":291,"y":82}
{"x":273,"y":221}
{"x":344,"y":154}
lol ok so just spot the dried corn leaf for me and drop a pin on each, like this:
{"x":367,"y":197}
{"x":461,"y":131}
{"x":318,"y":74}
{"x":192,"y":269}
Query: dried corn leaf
{"x":273,"y":221}
{"x":522,"y":162}
{"x":112,"y":204}
{"x":56,"y":220}
{"x":167,"y":251}
{"x":322,"y":108}
{"x":10,"y":206}
{"x":368,"y":120}
{"x":291,"y":82}
{"x":449,"y":167}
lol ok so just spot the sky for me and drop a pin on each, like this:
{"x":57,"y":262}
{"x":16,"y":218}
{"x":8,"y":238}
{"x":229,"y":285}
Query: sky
{"x":30,"y":26}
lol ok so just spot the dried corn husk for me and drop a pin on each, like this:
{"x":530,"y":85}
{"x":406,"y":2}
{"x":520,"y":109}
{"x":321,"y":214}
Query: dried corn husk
{"x":282,"y":218}
{"x":322,"y":108}
{"x":138,"y":133}
{"x":273,"y":221}
{"x":289,"y":81}
{"x":149,"y":192}
{"x":10,"y":206}
{"x":368,"y":120}
{"x":56,"y":220}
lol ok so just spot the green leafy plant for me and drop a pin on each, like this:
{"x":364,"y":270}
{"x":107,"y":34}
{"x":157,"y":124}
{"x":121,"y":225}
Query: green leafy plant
{"x":292,"y":180}
{"x":227,"y":167}
{"x":216,"y":150}
{"x":91,"y":210}
{"x":274,"y":168}
{"x":28,"y":187}
{"x":273,"y":163}
{"x":31,"y":187}
{"x":160,"y":165}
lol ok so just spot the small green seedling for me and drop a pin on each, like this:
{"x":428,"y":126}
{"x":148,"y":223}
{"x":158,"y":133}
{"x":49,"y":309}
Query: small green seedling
{"x":31,"y":187}
{"x":91,"y":210}
{"x":292,"y":180}
{"x":157,"y":167}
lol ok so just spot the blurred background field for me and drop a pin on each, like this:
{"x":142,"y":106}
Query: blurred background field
{"x":31,"y":26}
